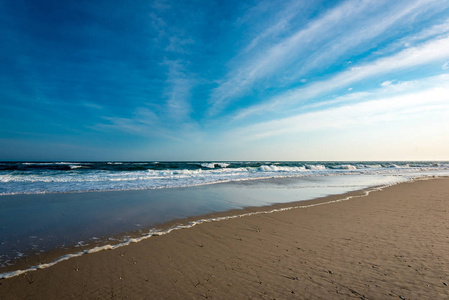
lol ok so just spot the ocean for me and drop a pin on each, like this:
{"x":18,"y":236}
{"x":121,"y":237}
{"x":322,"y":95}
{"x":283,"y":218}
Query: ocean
{"x":80,"y":205}
{"x":65,"y":177}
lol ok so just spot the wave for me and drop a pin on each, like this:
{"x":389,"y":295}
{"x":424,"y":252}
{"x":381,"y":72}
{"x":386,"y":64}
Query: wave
{"x":348,"y":167}
{"x":315,"y":167}
{"x":61,"y":177}
{"x":276,"y":168}
{"x":213,"y":165}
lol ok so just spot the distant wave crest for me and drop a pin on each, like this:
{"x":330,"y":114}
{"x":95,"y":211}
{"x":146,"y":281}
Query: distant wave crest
{"x":61,"y":177}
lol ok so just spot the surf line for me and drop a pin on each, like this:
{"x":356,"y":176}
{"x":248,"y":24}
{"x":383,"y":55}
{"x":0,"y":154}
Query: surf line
{"x":191,"y":224}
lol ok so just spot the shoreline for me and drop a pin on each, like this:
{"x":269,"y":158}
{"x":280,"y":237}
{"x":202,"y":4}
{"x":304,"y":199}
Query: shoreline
{"x":55,"y":256}
{"x":106,"y":219}
{"x":314,"y":205}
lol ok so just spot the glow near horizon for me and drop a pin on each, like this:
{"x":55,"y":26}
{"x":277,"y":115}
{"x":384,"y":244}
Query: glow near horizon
{"x":273,"y":80}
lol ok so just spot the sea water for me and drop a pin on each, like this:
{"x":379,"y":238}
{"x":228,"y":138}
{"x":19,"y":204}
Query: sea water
{"x":48,"y":205}
{"x":63,"y":177}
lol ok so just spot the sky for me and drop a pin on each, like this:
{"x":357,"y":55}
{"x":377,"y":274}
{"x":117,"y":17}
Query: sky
{"x":224,"y":80}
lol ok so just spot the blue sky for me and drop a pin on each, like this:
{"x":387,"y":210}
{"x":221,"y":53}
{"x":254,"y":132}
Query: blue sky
{"x":224,"y":80}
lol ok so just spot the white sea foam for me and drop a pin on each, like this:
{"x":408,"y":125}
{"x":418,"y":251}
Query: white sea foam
{"x":372,"y":166}
{"x":348,"y":167}
{"x":399,"y":167}
{"x":75,"y":166}
{"x":275,"y":168}
{"x":316,"y":167}
{"x":213,"y":165}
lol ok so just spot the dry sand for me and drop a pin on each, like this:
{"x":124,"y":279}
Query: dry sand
{"x":390,"y":244}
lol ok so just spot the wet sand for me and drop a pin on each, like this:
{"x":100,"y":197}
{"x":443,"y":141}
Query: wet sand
{"x":391,"y":244}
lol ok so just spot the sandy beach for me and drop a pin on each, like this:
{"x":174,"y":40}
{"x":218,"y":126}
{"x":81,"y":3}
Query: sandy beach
{"x":392,"y":243}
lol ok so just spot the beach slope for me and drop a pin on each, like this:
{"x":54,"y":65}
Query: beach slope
{"x":392,"y":243}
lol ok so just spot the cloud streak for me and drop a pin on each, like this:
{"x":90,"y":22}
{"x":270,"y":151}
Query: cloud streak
{"x":178,"y":86}
{"x":431,"y":51}
{"x":321,"y":42}
{"x":403,"y":107}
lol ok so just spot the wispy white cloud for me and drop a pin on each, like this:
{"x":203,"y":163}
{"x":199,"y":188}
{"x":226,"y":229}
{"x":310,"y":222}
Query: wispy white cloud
{"x":273,"y":58}
{"x":172,"y":36}
{"x":161,"y":4}
{"x":387,"y":83}
{"x":431,"y":51}
{"x":179,"y":45}
{"x":177,"y":92}
{"x":388,"y":89}
{"x":403,"y":107}
{"x":374,"y":24}
{"x":414,"y":39}
{"x":280,"y":25}
{"x":158,"y":24}
{"x":143,"y":122}
{"x":322,"y":41}
{"x":163,"y":120}
{"x":146,"y":123}
{"x":169,"y":120}
{"x":432,"y":32}
{"x":175,"y":41}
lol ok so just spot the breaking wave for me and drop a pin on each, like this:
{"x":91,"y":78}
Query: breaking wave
{"x":62,"y":177}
